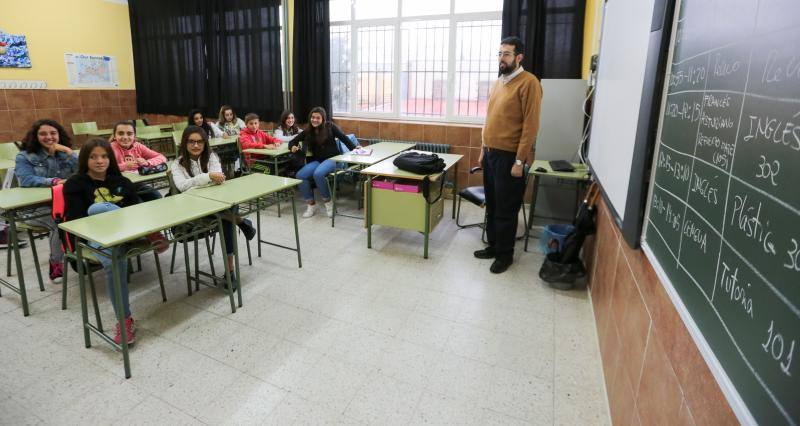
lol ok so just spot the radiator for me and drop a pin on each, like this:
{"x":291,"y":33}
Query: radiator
{"x":439,"y":148}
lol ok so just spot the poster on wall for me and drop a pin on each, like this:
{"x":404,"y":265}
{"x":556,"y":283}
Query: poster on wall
{"x":13,"y":51}
{"x":91,"y":70}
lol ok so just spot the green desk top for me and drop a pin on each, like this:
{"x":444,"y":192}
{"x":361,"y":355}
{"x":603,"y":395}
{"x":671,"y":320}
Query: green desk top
{"x":154,"y":136}
{"x":387,"y":168}
{"x":101,"y":132}
{"x":129,"y":223}
{"x":581,"y":171}
{"x":6,"y":164}
{"x":15,"y":198}
{"x":283,"y":149}
{"x":214,"y":142}
{"x":135,"y":177}
{"x":380,"y":151}
{"x":245,"y":188}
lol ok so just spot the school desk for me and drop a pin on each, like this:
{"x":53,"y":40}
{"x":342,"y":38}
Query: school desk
{"x":22,"y":204}
{"x":139,"y":220}
{"x":249,"y":193}
{"x":580,"y":176}
{"x":380,"y":151}
{"x":406,"y":210}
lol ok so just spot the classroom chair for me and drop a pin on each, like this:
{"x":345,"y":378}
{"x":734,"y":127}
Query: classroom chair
{"x":140,"y":123}
{"x":173,"y":190}
{"x":92,"y":264}
{"x":84,"y":128}
{"x":176,"y":137}
{"x":9,"y":150}
{"x":180,"y":126}
{"x":148,"y":130}
{"x":477,"y":196}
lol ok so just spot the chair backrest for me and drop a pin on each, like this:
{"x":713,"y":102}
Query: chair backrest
{"x":180,"y":126}
{"x":9,"y":150}
{"x":140,"y":123}
{"x":173,"y":190}
{"x":84,"y":128}
{"x":148,"y":130}
{"x":176,"y":137}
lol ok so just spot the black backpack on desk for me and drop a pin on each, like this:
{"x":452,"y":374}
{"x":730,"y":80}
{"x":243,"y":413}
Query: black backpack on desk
{"x":419,"y":163}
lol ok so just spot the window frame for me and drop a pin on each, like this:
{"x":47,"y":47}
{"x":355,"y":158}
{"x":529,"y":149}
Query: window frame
{"x":396,"y":22}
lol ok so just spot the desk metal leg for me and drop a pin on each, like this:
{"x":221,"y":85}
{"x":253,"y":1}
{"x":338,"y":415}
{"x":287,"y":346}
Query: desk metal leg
{"x":117,"y":278}
{"x":369,"y":212}
{"x":529,"y":225}
{"x":427,"y":226}
{"x":227,"y":269}
{"x":296,"y":235}
{"x":82,"y":288}
{"x":455,"y":189}
{"x":238,"y":283}
{"x":333,"y":196}
{"x":185,"y":244}
{"x":23,"y":293}
{"x":258,"y":225}
{"x":275,"y":172}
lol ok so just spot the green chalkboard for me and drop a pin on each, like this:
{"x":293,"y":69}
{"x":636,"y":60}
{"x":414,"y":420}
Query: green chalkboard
{"x":723,"y":217}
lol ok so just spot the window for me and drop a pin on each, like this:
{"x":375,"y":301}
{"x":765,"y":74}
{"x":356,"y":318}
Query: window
{"x":420,"y":59}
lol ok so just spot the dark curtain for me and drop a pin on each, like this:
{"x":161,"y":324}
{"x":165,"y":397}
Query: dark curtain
{"x":244,"y":53}
{"x":169,"y":60}
{"x":311,"y":62}
{"x":205,"y":53}
{"x":552,"y":31}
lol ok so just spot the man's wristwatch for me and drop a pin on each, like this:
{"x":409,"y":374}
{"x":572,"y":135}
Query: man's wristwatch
{"x":517,"y":162}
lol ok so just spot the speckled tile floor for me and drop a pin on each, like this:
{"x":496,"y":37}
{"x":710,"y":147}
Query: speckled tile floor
{"x":355,"y":336}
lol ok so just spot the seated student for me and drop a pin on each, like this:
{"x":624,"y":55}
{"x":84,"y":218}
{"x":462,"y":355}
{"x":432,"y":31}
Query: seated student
{"x":320,"y":136}
{"x":129,"y":155}
{"x":197,"y":166}
{"x":46,"y":160}
{"x":286,"y":131}
{"x":229,"y":124}
{"x":99,"y":187}
{"x":252,"y":137}
{"x":196,"y":118}
{"x":288,"y":128}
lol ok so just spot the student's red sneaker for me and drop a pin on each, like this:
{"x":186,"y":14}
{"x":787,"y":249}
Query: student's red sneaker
{"x":130,"y":330}
{"x":56,"y":271}
{"x":158,"y":241}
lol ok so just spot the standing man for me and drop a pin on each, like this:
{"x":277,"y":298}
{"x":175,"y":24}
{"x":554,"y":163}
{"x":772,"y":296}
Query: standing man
{"x":512,"y":121}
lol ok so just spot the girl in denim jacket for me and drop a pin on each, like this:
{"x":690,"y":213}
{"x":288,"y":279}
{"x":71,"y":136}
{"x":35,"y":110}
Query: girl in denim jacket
{"x":46,"y":160}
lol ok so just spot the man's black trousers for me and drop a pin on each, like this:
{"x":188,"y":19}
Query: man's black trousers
{"x":503,"y":200}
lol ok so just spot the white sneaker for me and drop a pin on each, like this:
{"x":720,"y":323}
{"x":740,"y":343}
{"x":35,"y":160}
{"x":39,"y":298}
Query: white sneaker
{"x":329,"y":208}
{"x":309,"y":211}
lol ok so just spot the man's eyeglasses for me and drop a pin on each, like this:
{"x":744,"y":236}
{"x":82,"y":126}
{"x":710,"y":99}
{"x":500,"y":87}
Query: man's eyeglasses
{"x":502,"y":54}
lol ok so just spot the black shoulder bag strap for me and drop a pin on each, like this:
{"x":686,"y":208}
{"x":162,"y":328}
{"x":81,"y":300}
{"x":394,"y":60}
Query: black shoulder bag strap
{"x":426,"y":188}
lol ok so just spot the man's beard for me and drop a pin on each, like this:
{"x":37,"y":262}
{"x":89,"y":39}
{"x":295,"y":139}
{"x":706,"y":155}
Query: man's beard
{"x":508,"y":69}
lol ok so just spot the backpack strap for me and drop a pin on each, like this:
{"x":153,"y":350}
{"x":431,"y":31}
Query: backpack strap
{"x":59,"y":213}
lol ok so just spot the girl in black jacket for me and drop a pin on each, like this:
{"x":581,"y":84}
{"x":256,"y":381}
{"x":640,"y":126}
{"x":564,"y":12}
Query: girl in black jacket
{"x":99,"y":187}
{"x":320,"y":137}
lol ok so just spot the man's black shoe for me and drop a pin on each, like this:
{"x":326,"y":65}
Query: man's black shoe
{"x":500,"y":265}
{"x":487,"y":253}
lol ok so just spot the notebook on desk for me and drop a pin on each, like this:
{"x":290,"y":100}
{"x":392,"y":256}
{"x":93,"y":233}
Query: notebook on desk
{"x":561,"y":166}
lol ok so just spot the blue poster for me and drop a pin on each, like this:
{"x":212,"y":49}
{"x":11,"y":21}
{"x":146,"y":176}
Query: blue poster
{"x":14,"y":51}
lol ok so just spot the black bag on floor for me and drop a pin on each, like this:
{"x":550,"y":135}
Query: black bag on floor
{"x":419,"y":163}
{"x":561,"y":269}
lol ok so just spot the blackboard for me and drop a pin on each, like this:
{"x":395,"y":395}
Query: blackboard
{"x":723,"y":215}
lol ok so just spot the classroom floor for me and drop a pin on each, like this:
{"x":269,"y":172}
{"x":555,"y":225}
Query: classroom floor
{"x":357,"y":336}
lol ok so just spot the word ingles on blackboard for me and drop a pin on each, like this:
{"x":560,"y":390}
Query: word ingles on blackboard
{"x":723,"y":222}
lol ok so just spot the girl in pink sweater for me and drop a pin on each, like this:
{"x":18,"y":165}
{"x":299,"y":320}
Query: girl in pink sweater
{"x":130,"y":155}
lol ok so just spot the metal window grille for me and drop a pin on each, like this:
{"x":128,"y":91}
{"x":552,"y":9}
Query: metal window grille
{"x":423,"y":77}
{"x":476,"y":66}
{"x":340,"y":68}
{"x":375,"y":69}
